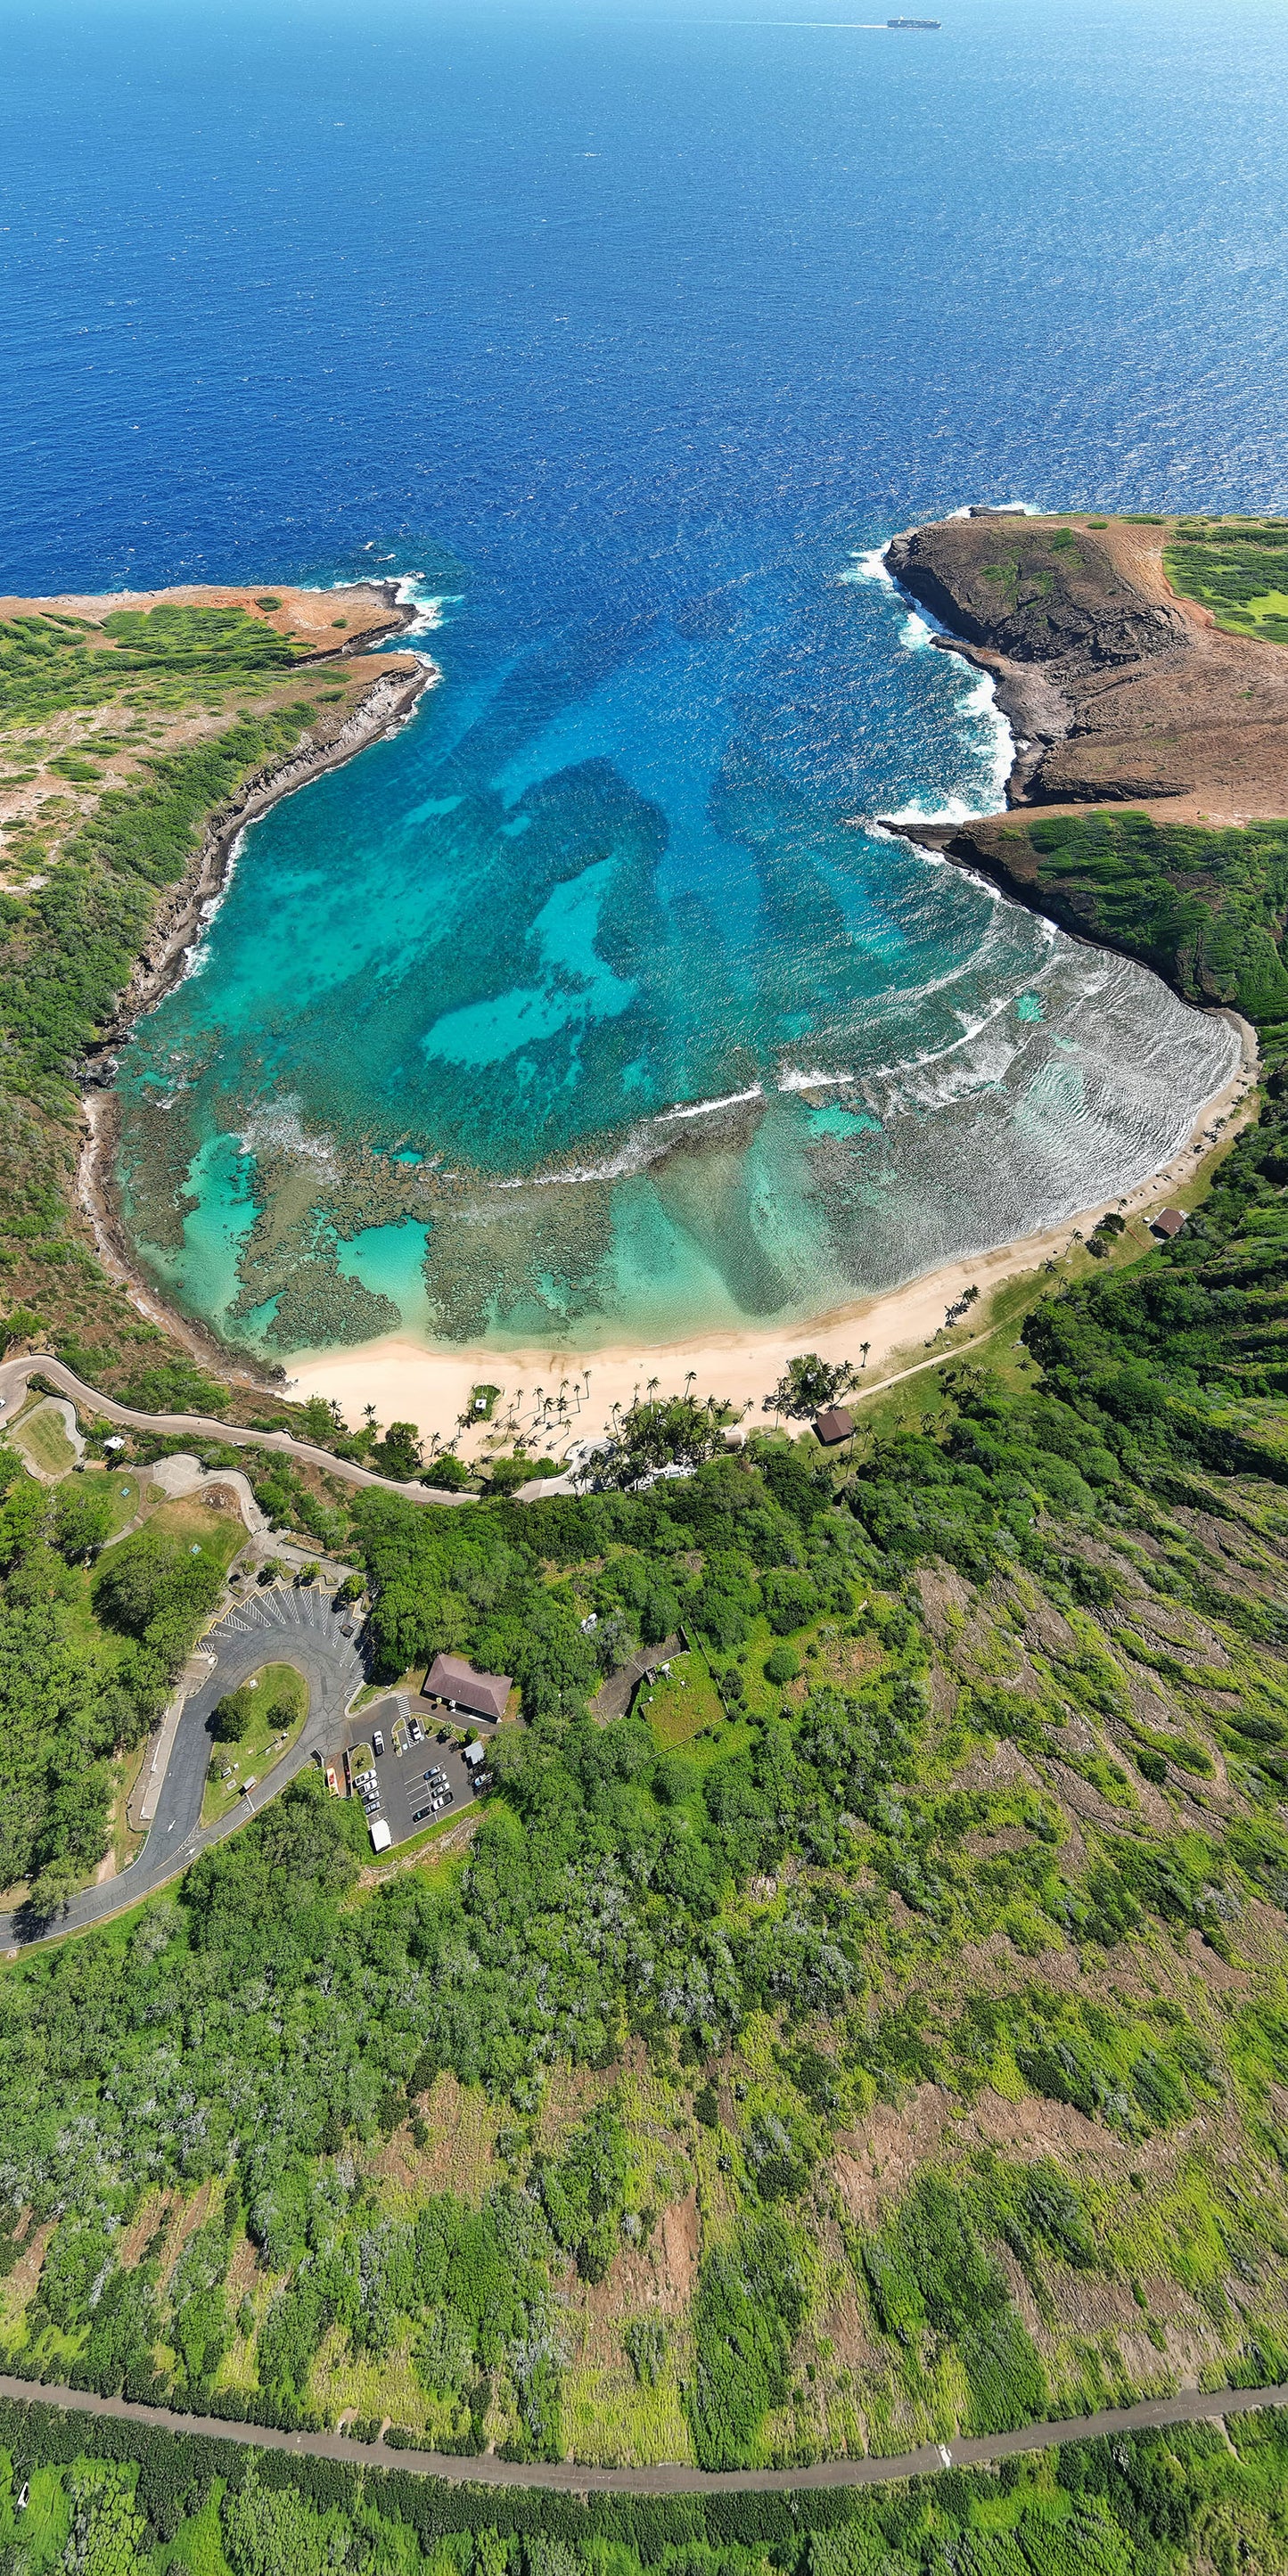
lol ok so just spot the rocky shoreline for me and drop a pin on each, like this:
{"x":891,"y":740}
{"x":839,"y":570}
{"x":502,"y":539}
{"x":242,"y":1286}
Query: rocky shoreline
{"x":1120,"y":695}
{"x":386,"y":701}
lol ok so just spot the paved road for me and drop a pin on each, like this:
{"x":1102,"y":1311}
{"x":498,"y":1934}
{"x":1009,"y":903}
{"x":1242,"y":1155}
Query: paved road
{"x":281,"y":1626}
{"x":14,"y":1375}
{"x":1191,"y":2406}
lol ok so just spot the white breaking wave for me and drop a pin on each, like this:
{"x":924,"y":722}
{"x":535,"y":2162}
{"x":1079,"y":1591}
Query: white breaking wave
{"x":704,"y":1108}
{"x":429,"y":605}
{"x":279,"y":1128}
{"x":978,"y":703}
{"x":792,"y":1080}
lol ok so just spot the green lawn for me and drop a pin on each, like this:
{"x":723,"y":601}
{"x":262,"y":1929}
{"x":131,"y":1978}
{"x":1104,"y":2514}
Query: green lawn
{"x":125,"y":1490}
{"x":262,"y":1748}
{"x":680,"y":1704}
{"x":219,"y":1535}
{"x":42,"y":1438}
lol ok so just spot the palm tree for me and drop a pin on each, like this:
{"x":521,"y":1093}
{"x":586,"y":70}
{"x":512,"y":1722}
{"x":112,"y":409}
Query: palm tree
{"x":369,"y":1416}
{"x":653,"y":1385}
{"x":865,"y":1347}
{"x":689,"y":1376}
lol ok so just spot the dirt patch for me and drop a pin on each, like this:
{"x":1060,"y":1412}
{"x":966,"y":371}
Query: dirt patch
{"x":945,"y":1599}
{"x":155,"y":2210}
{"x":460,"y":2153}
{"x":21,"y":2283}
{"x":185,"y":2219}
{"x":944,"y":1694}
{"x":676,"y":2247}
{"x":1116,"y":687}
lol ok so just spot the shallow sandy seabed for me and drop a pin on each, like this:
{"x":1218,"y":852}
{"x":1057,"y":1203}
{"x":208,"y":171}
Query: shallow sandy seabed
{"x":409,"y":1382}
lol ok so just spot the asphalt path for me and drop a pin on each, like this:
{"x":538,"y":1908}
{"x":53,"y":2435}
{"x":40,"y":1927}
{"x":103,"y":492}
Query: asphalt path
{"x":1154,"y":2414}
{"x":14,"y":1375}
{"x":295,"y":1625}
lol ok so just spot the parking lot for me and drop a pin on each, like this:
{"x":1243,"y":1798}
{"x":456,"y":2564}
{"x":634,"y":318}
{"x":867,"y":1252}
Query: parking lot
{"x":419,"y":1782}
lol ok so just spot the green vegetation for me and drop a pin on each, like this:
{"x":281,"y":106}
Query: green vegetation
{"x":914,"y":1954}
{"x":87,"y":1659}
{"x":43,"y":1440}
{"x":1205,"y":907}
{"x":117,"y":2499}
{"x":152,"y":655}
{"x":808,"y":1384}
{"x":1236,"y":567}
{"x":102,"y":850}
{"x":252,"y":1728}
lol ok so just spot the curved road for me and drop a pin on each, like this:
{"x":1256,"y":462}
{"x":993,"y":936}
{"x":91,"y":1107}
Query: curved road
{"x":281,"y":1626}
{"x":1190,"y":2406}
{"x":14,"y":1375}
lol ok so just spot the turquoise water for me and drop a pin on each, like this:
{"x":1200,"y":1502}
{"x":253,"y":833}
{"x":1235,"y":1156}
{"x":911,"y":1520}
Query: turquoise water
{"x":631,"y":335}
{"x":612,"y":1024}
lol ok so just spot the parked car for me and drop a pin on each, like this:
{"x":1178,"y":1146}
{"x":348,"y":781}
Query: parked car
{"x":416,"y":1730}
{"x":378,"y":1741}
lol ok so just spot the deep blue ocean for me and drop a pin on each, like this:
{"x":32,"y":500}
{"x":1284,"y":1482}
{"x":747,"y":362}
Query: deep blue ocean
{"x":629,"y":335}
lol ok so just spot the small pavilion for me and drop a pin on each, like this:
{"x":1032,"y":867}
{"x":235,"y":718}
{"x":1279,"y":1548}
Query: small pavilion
{"x":484,"y":1695}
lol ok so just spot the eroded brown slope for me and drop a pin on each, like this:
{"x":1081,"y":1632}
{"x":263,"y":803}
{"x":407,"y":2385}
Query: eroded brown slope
{"x":1117,"y":690}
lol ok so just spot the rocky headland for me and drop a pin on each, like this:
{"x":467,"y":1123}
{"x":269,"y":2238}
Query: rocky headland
{"x":1151,"y":747}
{"x":139,"y":733}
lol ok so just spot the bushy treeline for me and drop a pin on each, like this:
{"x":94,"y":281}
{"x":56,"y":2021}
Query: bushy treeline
{"x":810,"y":1865}
{"x":75,"y":1691}
{"x":122,"y":2498}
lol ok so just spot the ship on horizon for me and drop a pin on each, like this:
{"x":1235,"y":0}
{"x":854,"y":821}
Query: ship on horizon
{"x":913,"y":22}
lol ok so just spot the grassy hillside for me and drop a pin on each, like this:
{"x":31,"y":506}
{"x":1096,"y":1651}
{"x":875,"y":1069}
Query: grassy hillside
{"x":1236,"y":567}
{"x":116,"y":2499}
{"x":117,"y":743}
{"x":1207,"y":908}
{"x":902,"y":2051}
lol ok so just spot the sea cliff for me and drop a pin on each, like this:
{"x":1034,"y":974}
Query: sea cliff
{"x":1151,"y":748}
{"x":139,"y":733}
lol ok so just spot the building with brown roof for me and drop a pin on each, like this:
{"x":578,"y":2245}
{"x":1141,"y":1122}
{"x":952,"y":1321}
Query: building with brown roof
{"x":1168,"y":1223}
{"x":833,"y":1424}
{"x":479,"y":1694}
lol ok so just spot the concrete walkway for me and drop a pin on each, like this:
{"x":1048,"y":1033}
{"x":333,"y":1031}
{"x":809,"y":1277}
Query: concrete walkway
{"x":570,"y":2477}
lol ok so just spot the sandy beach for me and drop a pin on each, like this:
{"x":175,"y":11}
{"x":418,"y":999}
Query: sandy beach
{"x":406,"y":1382}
